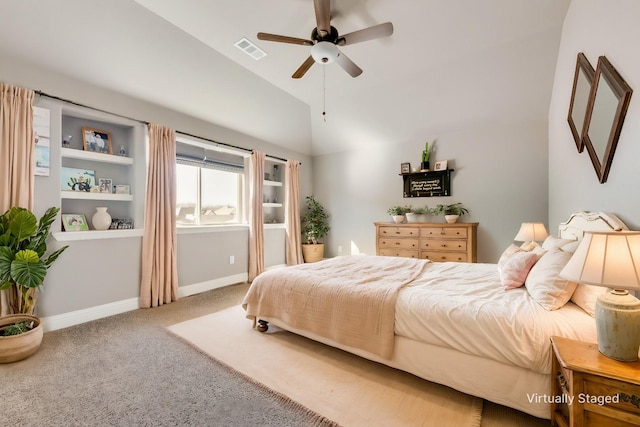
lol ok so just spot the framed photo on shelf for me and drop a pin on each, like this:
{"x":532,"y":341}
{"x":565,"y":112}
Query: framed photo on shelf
{"x":405,"y":167}
{"x":73,"y":179}
{"x":105,"y":185}
{"x":97,"y":141}
{"x":122,"y":189}
{"x":440,"y":166}
{"x":74,"y":222}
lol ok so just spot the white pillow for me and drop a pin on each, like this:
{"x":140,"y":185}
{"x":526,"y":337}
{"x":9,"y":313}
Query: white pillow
{"x":544,"y":283}
{"x":514,"y":265}
{"x":567,"y":245}
{"x":585,"y":297}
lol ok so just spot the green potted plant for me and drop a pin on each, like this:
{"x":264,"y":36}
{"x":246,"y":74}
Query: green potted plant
{"x":315,"y":226}
{"x":398,"y":213}
{"x":452,"y":212}
{"x":23,"y":267}
{"x":419,"y":214}
{"x":425,"y":157}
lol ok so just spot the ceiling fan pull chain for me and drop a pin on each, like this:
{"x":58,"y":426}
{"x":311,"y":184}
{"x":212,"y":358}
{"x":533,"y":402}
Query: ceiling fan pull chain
{"x":324,"y":93}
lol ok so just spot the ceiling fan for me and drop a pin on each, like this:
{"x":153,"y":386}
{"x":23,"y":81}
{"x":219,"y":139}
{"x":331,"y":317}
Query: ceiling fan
{"x":325,"y":40}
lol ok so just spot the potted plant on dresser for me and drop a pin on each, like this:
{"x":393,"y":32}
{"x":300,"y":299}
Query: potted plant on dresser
{"x":315,"y":226}
{"x":452,"y":212}
{"x":398,"y":213}
{"x":23,"y":267}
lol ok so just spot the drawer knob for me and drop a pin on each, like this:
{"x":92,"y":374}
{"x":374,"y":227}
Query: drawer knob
{"x":444,"y":246}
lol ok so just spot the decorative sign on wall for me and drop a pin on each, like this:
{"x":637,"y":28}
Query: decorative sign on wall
{"x":427,"y":184}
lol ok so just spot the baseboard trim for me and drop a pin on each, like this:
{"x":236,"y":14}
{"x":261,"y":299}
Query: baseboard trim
{"x":64,"y":320}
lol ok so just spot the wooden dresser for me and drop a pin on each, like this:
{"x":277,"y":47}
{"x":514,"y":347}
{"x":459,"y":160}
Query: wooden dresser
{"x":428,"y":240}
{"x":590,"y":389}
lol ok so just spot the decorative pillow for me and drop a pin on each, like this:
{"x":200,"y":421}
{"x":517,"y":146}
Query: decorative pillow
{"x":585,"y":297}
{"x":553,"y":242}
{"x":514,"y":265}
{"x":544,"y":283}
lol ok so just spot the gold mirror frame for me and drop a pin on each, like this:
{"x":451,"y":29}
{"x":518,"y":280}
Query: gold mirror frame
{"x":582,"y":82}
{"x":606,"y":110}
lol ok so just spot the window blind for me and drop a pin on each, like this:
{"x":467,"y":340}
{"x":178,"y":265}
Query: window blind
{"x":192,"y":155}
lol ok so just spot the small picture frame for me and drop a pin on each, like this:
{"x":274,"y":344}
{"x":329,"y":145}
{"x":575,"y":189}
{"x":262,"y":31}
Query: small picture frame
{"x":74,"y":222}
{"x":105,"y":185}
{"x":73,"y":179}
{"x":97,"y":141}
{"x":440,"y":166}
{"x":122,"y":189}
{"x":405,"y":168}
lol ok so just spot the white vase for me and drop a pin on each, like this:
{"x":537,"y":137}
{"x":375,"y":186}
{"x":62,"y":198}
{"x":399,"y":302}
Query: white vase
{"x":398,"y":219}
{"x":101,"y":220}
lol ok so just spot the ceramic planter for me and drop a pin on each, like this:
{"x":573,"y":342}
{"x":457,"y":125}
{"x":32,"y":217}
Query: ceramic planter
{"x":18,"y":347}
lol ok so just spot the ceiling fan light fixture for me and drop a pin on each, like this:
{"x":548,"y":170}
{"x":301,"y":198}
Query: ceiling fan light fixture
{"x":324,"y":52}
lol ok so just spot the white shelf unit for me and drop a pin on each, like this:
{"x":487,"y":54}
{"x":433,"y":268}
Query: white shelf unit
{"x":273,"y":193}
{"x":122,"y":170}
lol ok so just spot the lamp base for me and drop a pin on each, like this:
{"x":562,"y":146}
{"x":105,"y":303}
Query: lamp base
{"x":618,"y":325}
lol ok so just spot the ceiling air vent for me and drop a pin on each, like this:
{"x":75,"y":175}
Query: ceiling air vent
{"x":250,"y":49}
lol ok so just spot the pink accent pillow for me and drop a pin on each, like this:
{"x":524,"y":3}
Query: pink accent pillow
{"x":514,"y":266}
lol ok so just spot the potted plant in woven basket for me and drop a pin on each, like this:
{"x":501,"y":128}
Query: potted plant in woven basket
{"x":23,"y":267}
{"x":315,"y":226}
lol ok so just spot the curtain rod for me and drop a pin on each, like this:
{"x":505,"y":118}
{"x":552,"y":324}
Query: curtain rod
{"x":41,"y":93}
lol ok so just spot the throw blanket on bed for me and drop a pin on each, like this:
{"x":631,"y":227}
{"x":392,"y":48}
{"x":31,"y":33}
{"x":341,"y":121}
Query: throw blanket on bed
{"x":350,"y":300}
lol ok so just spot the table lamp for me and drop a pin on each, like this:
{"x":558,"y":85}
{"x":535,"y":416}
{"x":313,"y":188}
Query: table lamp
{"x":612,"y":260}
{"x":531,"y":232}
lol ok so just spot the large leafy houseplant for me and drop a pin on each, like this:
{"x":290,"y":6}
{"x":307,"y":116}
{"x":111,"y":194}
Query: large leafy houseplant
{"x":23,"y":263}
{"x":315,"y":221}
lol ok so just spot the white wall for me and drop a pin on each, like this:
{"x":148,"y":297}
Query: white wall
{"x":596,"y":27}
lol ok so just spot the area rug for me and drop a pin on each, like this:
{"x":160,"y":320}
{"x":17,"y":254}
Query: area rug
{"x":337,"y":385}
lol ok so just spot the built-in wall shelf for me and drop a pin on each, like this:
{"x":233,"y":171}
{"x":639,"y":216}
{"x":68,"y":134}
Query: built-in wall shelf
{"x":87,"y":195}
{"x":72,"y":153}
{"x":70,"y":236}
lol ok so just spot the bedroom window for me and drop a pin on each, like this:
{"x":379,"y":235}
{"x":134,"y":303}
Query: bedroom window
{"x":209,"y":186}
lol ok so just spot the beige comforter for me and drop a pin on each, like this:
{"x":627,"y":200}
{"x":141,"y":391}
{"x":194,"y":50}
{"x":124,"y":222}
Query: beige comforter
{"x":350,"y":300}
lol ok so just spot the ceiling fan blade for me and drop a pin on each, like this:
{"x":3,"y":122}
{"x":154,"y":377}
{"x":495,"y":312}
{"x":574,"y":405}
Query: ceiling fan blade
{"x":323,"y":16}
{"x":366,"y":34}
{"x":348,"y":65}
{"x":304,"y":68}
{"x":283,"y":39}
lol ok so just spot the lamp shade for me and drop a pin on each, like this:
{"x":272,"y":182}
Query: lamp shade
{"x":531,"y":231}
{"x":610,"y":259}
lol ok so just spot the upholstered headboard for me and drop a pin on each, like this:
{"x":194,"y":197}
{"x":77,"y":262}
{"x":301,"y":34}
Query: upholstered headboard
{"x":579,"y":222}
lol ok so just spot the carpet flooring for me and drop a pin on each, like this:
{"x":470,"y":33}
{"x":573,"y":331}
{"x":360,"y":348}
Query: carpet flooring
{"x":129,"y":370}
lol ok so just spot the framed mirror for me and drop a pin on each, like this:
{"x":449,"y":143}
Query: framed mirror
{"x":606,"y":110}
{"x":582,"y":81}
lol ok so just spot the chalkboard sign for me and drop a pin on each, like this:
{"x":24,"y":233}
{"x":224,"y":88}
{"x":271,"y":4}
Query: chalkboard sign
{"x":427,"y":184}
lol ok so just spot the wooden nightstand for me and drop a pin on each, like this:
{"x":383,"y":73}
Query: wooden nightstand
{"x":590,"y":389}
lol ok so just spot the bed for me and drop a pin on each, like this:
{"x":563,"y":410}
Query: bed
{"x":451,"y":323}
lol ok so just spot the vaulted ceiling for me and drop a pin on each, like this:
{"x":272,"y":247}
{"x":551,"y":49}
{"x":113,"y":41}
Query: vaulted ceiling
{"x":448,"y":62}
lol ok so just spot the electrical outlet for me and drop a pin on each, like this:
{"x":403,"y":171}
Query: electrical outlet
{"x":232,"y":259}
{"x":339,"y":249}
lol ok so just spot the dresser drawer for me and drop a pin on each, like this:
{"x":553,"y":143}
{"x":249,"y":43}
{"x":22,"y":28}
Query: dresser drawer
{"x":399,"y":232}
{"x":445,"y":232}
{"x":398,"y":243}
{"x":624,"y":398}
{"x":444,"y":256}
{"x":398,"y":252}
{"x":443,"y":245}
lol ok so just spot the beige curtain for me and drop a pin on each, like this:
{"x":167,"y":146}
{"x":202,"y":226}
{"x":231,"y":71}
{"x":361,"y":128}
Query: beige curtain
{"x":256,"y":222}
{"x":293,"y":241}
{"x":159,"y":283}
{"x":17,"y":142}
